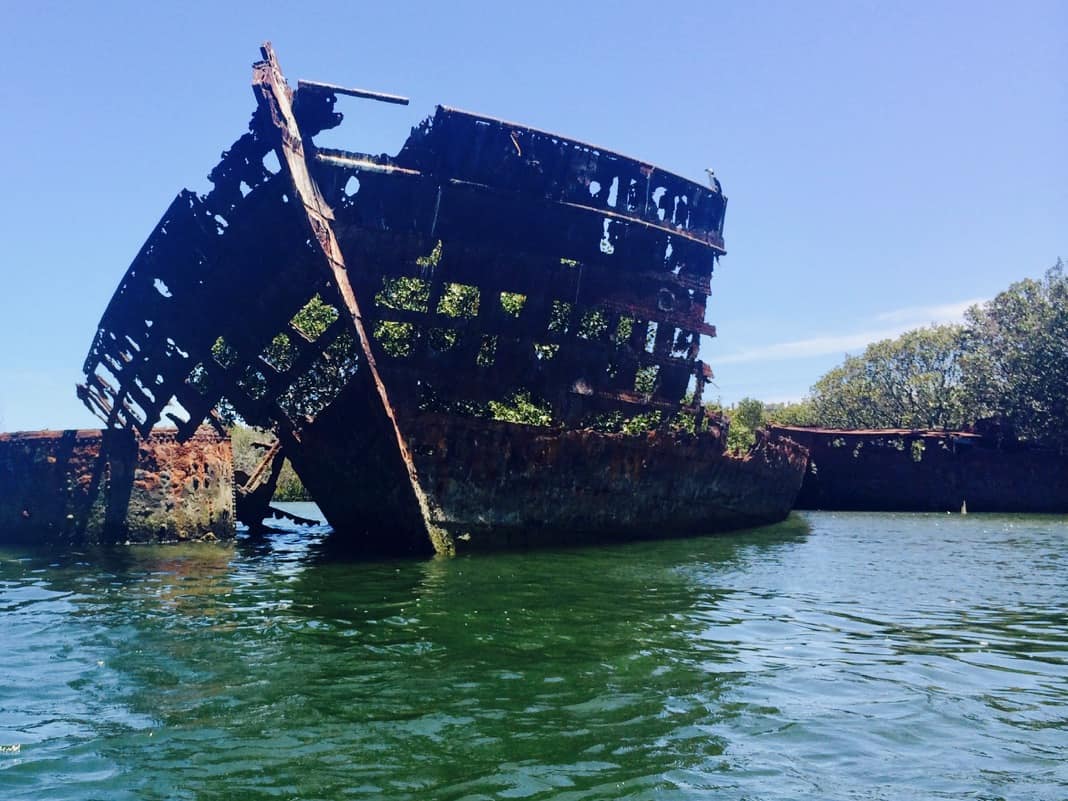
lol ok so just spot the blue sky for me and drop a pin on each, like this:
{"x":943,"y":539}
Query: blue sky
{"x":886,"y":164}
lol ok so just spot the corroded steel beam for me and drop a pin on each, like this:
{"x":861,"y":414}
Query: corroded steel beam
{"x":366,"y":94}
{"x":277,"y":97}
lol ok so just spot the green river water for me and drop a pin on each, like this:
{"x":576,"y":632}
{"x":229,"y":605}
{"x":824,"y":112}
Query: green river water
{"x":835,"y":656}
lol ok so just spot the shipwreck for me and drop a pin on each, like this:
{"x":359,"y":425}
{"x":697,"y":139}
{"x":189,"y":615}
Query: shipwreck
{"x":489,"y":339}
{"x":919,"y":470}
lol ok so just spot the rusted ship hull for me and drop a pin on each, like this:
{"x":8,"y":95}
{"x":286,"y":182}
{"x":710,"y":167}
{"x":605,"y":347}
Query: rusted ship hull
{"x":378,"y":312}
{"x":893,"y":470}
{"x":490,"y":484}
{"x":500,"y":484}
{"x":92,"y":486}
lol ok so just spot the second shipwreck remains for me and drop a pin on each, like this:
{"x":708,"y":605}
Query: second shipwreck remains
{"x":910,"y":470}
{"x":99,"y":487}
{"x":387,"y":316}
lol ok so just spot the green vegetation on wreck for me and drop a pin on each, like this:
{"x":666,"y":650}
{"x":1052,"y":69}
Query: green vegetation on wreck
{"x":461,"y":301}
{"x":1007,"y":363}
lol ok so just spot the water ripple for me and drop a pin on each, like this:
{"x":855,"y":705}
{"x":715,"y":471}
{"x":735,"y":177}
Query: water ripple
{"x":836,"y":656}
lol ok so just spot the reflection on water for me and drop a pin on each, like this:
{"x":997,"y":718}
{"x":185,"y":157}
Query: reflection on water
{"x":834,"y":656}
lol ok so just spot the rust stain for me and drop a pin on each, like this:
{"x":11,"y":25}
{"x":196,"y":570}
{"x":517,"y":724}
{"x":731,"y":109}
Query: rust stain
{"x":113,"y":485}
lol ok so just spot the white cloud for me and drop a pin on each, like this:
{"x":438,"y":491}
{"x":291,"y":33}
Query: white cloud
{"x":898,"y":321}
{"x":805,"y":348}
{"x":926,"y":315}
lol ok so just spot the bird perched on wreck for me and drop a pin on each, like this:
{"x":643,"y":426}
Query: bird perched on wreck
{"x":713,"y":181}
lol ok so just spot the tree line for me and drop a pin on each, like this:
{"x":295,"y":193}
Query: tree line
{"x":1005,"y":366}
